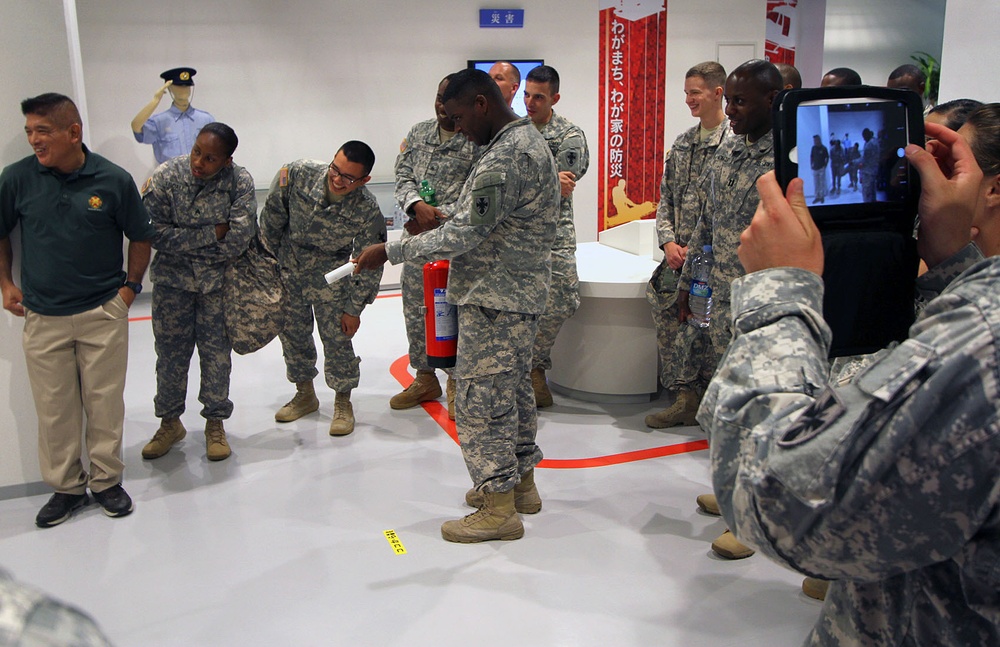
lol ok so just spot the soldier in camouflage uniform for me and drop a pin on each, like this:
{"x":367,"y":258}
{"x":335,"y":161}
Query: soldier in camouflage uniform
{"x":204,"y":212}
{"x":730,"y":199}
{"x":869,"y":166}
{"x":28,"y":616}
{"x":569,"y":147}
{"x":676,"y":216}
{"x":499,"y":241}
{"x":432,"y":152}
{"x":887,"y":485}
{"x":316,"y":217}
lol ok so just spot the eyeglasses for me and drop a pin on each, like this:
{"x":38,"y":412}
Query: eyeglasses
{"x":335,"y":173}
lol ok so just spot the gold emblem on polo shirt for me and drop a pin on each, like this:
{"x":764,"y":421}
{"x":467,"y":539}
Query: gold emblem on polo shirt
{"x":95,"y":202}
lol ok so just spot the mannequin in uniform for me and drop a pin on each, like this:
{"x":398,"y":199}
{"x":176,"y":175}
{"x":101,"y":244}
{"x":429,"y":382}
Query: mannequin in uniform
{"x":173,"y":131}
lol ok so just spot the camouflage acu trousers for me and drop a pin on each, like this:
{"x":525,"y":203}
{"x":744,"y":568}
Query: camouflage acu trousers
{"x":495,"y":411}
{"x":661,"y":293}
{"x":562,"y":302}
{"x":340,"y":364}
{"x":411,"y":284}
{"x":695,"y":353}
{"x":182,"y":320}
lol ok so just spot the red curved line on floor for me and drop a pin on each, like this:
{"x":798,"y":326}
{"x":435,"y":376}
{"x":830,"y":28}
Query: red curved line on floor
{"x":439,"y":412}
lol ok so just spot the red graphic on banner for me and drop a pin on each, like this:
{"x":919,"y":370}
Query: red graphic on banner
{"x":781,"y":32}
{"x":632,"y":91}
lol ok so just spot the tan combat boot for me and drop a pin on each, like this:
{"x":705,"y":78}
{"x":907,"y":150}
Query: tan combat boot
{"x":815,"y":588}
{"x":170,"y":433}
{"x":304,"y":401}
{"x":216,"y":446}
{"x":423,"y":388}
{"x":680,"y":414}
{"x":497,"y":519}
{"x":526,"y":497}
{"x":709,"y":504}
{"x":343,"y":415}
{"x":543,"y":397}
{"x":450,"y":388}
{"x":729,"y":547}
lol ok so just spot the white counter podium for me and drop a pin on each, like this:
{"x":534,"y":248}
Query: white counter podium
{"x":606,"y":352}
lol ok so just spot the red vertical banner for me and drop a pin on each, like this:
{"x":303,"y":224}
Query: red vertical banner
{"x":782,"y":31}
{"x":632,"y":76}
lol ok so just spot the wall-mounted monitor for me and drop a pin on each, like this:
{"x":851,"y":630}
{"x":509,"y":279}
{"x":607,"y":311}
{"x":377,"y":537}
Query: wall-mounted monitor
{"x":523,"y":65}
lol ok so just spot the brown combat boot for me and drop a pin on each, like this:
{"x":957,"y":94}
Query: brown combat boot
{"x":728,"y":546}
{"x":343,"y":415}
{"x":543,"y":397}
{"x":423,"y":388}
{"x":680,"y":414}
{"x":216,"y":446}
{"x":815,"y":588}
{"x":170,"y":433}
{"x":526,"y":497}
{"x":304,"y":402}
{"x":497,"y":519}
{"x":708,"y":504}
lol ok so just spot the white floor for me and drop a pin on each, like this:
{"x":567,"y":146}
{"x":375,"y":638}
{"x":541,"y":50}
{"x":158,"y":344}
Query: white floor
{"x":284,"y":543}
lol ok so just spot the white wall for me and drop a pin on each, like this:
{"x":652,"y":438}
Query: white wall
{"x":39,"y":31}
{"x":812,"y":30}
{"x":874,"y":38}
{"x":970,"y":51}
{"x":297,"y":79}
{"x":694,"y":30}
{"x":870,"y":37}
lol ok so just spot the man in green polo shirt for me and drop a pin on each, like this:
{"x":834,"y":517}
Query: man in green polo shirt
{"x":73,"y":207}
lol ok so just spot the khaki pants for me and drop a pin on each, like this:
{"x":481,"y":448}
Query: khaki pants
{"x":76,"y":364}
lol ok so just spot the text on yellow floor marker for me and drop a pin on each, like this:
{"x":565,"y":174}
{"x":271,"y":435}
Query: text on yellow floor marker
{"x":397,"y":545}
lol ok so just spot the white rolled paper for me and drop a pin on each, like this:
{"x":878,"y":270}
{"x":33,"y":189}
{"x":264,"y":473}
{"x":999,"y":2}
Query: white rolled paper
{"x":344,"y":270}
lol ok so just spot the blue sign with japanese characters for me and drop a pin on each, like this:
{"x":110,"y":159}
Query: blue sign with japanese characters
{"x":501,"y":18}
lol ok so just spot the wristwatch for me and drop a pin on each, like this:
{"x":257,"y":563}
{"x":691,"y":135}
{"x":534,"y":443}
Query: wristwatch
{"x":132,"y":285}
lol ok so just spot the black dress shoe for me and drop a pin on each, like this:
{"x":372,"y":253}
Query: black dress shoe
{"x":115,"y":501}
{"x":59,"y":508}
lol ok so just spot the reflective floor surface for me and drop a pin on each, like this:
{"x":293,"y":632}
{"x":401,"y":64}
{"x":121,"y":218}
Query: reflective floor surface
{"x":288,"y":541}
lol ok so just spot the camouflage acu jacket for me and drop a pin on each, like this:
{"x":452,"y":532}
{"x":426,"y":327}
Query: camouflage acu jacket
{"x":501,"y":235}
{"x":311,"y":235}
{"x":887,"y":485}
{"x":729,"y":185}
{"x":680,"y":201}
{"x":422,"y":156}
{"x":569,"y":146}
{"x":184,"y":211}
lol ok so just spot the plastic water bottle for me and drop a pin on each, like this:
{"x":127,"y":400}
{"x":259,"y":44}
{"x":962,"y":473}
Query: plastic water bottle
{"x":427,"y":193}
{"x":700,"y":299}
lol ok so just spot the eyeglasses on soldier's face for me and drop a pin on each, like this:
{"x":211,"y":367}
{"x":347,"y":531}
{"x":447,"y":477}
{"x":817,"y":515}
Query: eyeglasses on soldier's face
{"x":335,"y":173}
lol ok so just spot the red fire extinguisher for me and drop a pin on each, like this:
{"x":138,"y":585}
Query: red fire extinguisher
{"x":440,"y":317}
